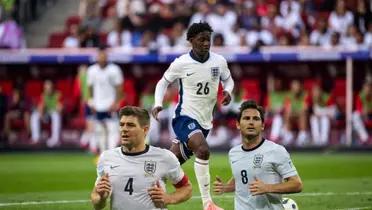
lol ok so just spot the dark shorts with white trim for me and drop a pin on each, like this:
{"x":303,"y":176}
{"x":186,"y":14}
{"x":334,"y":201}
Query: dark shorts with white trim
{"x":184,"y":127}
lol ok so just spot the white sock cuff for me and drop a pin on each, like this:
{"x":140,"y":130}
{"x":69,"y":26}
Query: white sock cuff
{"x":201,"y":162}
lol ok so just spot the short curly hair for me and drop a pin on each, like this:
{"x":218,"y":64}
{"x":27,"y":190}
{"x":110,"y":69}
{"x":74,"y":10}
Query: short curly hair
{"x":197,"y":28}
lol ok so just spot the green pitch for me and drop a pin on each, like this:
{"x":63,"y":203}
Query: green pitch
{"x":64,"y":181}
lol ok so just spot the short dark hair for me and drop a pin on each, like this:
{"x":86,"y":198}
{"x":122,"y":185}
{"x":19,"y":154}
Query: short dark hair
{"x":251,"y":104}
{"x":141,"y":114}
{"x":197,"y":28}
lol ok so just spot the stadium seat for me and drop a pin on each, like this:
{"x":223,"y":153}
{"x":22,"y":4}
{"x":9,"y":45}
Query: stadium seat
{"x":7,"y":87}
{"x":72,"y":20}
{"x":65,"y":87}
{"x":56,"y":39}
{"x":251,"y":89}
{"x":129,"y":91}
{"x":33,"y":90}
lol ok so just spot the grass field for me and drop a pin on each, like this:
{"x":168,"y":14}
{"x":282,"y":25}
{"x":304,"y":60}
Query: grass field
{"x":64,"y":181}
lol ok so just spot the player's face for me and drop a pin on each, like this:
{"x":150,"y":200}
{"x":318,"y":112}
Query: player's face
{"x":250,"y":124}
{"x":102,"y":58}
{"x":201,"y":43}
{"x":131,"y":132}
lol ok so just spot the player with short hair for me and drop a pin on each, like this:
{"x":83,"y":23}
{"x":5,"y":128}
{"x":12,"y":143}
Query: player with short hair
{"x":262,"y":170}
{"x":134,"y":175}
{"x":198,"y":73}
{"x":105,"y":88}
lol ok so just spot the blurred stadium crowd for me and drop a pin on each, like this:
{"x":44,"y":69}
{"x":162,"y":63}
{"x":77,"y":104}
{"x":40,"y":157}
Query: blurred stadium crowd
{"x":303,"y":109}
{"x":158,"y":24}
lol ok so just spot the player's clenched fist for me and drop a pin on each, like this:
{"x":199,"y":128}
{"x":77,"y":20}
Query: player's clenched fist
{"x":155,"y":111}
{"x":103,"y":187}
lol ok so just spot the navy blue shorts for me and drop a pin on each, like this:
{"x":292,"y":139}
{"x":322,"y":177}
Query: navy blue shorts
{"x":100,"y":116}
{"x":184,"y":127}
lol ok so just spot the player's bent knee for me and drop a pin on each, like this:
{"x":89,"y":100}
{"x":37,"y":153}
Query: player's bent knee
{"x":202,"y":152}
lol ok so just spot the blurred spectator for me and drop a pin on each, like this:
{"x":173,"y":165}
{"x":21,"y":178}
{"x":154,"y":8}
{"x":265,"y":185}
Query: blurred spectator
{"x":348,"y":40}
{"x":340,"y":19}
{"x":295,"y":113}
{"x":218,"y":40}
{"x":202,"y":11}
{"x":49,"y":106}
{"x":11,"y":35}
{"x":321,"y":35}
{"x":262,"y":8}
{"x":248,"y":19}
{"x":126,"y":8}
{"x":323,"y":110}
{"x":304,"y":40}
{"x":89,"y":38}
{"x":222,"y":19}
{"x":272,"y":21}
{"x":275,"y":106}
{"x":333,"y":42}
{"x":17,"y":111}
{"x":368,"y":37}
{"x":81,"y":91}
{"x":289,"y":6}
{"x":3,"y":110}
{"x":363,"y":110}
{"x":90,"y":12}
{"x":72,"y":41}
{"x":362,"y":15}
{"x":120,"y":36}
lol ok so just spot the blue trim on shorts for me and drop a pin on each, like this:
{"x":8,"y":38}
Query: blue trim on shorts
{"x":183,"y":126}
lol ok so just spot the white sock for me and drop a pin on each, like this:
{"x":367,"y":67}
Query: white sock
{"x":201,"y":168}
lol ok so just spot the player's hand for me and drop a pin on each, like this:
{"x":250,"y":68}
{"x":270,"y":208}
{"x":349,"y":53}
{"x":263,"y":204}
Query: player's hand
{"x":158,"y":196}
{"x":258,"y":187}
{"x":226,"y":98}
{"x":103,"y":187}
{"x":218,"y":186}
{"x":155,"y":111}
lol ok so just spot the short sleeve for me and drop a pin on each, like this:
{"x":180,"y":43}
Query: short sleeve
{"x":118,"y":75}
{"x":175,"y":172}
{"x":173,"y":72}
{"x":284,"y":165}
{"x":225,"y":72}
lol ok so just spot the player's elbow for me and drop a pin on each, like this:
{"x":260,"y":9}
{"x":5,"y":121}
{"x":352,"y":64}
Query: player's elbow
{"x":298,"y":186}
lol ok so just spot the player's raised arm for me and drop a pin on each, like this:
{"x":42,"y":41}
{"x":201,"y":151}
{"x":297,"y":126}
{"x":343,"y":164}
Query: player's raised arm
{"x":101,"y":192}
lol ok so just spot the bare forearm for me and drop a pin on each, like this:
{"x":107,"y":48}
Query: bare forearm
{"x":292,"y":186}
{"x":97,"y":202}
{"x":181,"y":194}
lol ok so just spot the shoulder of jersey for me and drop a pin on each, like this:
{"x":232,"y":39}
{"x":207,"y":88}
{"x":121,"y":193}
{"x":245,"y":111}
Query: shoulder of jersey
{"x":159,"y":150}
{"x":236,"y":148}
{"x":216,"y":56}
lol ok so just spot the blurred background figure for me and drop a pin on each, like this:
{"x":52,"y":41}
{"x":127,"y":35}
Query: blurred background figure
{"x":17,"y":112}
{"x":363,"y":111}
{"x":295,"y":113}
{"x":49,"y":108}
{"x":105,"y":82}
{"x":323,"y":110}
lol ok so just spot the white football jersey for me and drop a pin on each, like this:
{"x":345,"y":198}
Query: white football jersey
{"x":198,"y":85}
{"x":268,"y":162}
{"x":131,"y":175}
{"x":104,"y":82}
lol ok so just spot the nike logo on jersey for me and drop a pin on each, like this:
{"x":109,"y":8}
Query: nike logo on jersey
{"x":189,"y":74}
{"x":112,"y":167}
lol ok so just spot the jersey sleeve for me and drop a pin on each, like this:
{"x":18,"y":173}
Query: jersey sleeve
{"x":284,"y":165}
{"x":175,"y":173}
{"x":225,"y":72}
{"x":118,"y":75}
{"x":173,"y":72}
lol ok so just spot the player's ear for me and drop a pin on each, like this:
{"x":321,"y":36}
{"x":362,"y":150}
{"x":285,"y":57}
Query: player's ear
{"x":237,"y":125}
{"x":146,"y":129}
